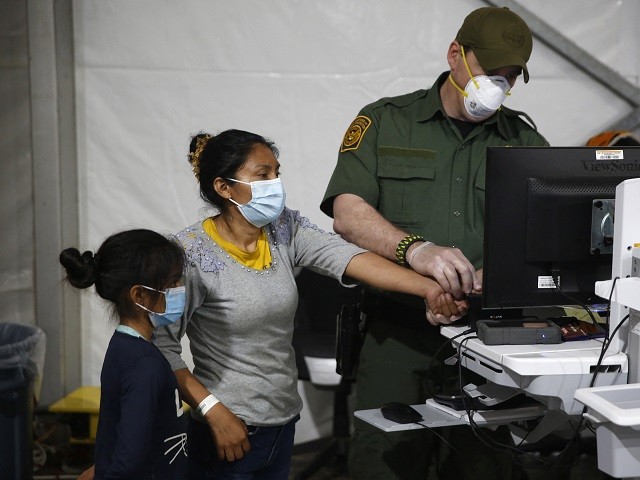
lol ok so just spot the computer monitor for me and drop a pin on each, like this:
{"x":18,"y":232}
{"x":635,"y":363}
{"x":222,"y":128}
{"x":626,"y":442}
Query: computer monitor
{"x":549,"y":214}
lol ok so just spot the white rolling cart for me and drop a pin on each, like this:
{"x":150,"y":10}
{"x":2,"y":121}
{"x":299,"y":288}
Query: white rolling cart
{"x":615,"y":410}
{"x":558,"y":375}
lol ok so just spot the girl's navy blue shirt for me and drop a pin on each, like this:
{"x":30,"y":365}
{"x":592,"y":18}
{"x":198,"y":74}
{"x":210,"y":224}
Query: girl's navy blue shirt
{"x":142,"y":427}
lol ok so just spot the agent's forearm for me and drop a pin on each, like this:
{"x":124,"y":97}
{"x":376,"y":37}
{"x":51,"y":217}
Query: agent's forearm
{"x":359,"y":223}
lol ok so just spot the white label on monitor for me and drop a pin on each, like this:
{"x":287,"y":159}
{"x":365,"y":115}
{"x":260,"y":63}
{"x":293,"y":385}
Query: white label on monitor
{"x":547,"y":282}
{"x":609,"y":154}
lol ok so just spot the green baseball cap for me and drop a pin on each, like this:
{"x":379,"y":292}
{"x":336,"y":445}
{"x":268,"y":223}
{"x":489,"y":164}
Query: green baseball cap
{"x":498,"y":37}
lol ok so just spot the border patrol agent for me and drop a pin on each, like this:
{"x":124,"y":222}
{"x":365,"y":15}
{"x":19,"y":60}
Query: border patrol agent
{"x":409,"y":185}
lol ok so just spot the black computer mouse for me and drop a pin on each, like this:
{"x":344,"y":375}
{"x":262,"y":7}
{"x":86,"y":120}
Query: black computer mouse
{"x":400,"y":413}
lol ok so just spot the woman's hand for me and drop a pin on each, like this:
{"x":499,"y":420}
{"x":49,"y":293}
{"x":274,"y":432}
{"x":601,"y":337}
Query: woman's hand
{"x":230,"y":434}
{"x":228,"y":431}
{"x":442,"y":308}
{"x":88,"y":474}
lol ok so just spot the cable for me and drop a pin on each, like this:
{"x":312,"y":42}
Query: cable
{"x":482,"y":436}
{"x":478,"y":432}
{"x":512,"y":450}
{"x":441,"y":438}
{"x":555,"y":274}
{"x":608,"y":338}
{"x":615,"y":330}
{"x":515,"y":450}
{"x":613,"y":287}
{"x":439,"y":349}
{"x":605,"y":345}
{"x":428,"y":386}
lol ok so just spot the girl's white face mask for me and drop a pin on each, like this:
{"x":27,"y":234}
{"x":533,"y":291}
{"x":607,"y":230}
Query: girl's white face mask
{"x":483,"y":94}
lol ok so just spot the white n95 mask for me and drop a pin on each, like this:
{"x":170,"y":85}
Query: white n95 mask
{"x":484,"y":95}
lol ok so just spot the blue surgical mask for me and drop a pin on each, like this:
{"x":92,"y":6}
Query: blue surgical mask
{"x":266,"y":204}
{"x":175,"y":300}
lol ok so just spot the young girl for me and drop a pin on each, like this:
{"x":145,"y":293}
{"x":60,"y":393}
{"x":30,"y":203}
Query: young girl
{"x":141,"y":426}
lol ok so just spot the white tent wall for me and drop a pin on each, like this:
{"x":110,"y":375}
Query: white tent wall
{"x":16,"y":209}
{"x":150,"y":73}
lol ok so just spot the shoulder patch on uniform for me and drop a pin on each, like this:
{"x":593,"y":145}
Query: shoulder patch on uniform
{"x":355,"y":132}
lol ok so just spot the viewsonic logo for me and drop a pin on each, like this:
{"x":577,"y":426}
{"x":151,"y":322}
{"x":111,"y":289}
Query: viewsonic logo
{"x":613,"y":166}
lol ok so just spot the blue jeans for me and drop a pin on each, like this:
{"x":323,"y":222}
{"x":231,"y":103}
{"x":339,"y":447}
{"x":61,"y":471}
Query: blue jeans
{"x":268,"y":459}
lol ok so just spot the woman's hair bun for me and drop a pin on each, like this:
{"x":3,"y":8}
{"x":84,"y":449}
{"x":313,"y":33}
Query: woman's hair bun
{"x":196,"y":147}
{"x":81,"y":269}
{"x":196,"y":140}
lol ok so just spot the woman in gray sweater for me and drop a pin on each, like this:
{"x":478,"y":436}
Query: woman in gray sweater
{"x":241,"y":302}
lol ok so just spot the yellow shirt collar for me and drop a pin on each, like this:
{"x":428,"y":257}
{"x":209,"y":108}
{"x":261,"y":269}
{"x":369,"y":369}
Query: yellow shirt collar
{"x":259,"y":259}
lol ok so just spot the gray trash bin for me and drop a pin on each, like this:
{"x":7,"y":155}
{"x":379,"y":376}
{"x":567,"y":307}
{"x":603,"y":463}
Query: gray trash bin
{"x":22,"y":350}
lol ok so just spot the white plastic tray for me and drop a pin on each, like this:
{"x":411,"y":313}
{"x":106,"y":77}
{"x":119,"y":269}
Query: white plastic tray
{"x":619,"y":404}
{"x":436,"y":415}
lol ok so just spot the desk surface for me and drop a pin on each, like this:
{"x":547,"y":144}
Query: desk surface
{"x":435,"y":415}
{"x":542,"y":359}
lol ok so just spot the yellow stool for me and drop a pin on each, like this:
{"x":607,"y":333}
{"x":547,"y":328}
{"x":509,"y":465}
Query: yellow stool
{"x":85,"y":402}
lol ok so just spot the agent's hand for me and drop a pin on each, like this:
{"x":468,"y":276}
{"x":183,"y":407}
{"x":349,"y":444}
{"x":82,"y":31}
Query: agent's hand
{"x":230,"y":434}
{"x":88,"y":474}
{"x":448,"y":266}
{"x":443,"y":309}
{"x":479,"y":276}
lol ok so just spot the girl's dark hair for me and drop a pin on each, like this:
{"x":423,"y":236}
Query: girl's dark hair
{"x":222,"y":156}
{"x":125,"y":259}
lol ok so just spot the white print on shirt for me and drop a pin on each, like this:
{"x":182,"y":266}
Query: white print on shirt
{"x":180,"y":445}
{"x":179,"y":409}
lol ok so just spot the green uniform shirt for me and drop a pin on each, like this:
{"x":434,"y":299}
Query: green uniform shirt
{"x":404,"y":156}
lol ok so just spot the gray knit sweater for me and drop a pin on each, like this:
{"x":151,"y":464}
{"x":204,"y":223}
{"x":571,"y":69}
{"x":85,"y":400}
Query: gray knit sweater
{"x":239,"y":321}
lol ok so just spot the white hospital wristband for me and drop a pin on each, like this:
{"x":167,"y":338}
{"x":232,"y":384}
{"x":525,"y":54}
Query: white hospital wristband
{"x":206,"y":405}
{"x":413,"y":252}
